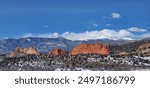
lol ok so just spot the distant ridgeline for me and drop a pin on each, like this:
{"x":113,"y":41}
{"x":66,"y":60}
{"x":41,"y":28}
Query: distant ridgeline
{"x":62,"y":46}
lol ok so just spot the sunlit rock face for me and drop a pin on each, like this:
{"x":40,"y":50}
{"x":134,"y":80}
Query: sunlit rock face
{"x":95,"y":48}
{"x":124,"y":53}
{"x":24,"y":51}
{"x":144,"y":49}
{"x":57,"y":52}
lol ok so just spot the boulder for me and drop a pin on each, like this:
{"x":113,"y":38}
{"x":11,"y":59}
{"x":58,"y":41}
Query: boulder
{"x":95,"y":48}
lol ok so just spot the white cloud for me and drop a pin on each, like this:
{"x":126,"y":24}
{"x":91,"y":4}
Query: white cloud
{"x":99,"y":34}
{"x":108,"y":25}
{"x":146,"y":35}
{"x":116,"y":15}
{"x":124,"y":34}
{"x":95,"y":25}
{"x":50,"y":35}
{"x":136,"y":29}
{"x":28,"y":35}
{"x":105,"y":33}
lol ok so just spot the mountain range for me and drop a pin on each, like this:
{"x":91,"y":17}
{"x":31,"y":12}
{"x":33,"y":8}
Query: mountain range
{"x":45,"y":45}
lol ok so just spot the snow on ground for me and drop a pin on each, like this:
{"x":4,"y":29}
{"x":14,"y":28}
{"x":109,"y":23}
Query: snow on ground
{"x":146,"y":58}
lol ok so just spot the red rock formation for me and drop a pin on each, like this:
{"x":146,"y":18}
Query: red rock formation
{"x":57,"y":52}
{"x":96,"y":48}
{"x":24,"y":51}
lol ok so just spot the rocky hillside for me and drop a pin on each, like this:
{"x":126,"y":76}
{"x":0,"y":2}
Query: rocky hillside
{"x":144,"y":49}
{"x":129,"y":46}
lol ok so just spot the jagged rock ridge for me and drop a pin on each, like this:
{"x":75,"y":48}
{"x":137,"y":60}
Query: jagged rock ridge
{"x":94,"y":48}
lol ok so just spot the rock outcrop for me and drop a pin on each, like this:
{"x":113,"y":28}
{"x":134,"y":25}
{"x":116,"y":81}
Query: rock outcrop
{"x":24,"y":51}
{"x":95,"y":48}
{"x":124,"y":53}
{"x":144,"y":49}
{"x":57,"y":52}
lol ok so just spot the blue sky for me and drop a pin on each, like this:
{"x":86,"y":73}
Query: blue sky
{"x":74,"y":18}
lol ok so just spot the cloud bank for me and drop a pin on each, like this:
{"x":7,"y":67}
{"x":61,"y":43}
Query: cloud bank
{"x":102,"y":34}
{"x":127,"y":34}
